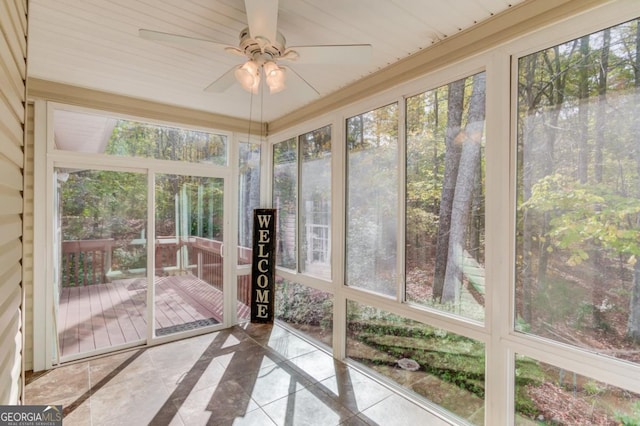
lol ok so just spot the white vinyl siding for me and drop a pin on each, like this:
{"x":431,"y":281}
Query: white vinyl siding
{"x":13,"y":49}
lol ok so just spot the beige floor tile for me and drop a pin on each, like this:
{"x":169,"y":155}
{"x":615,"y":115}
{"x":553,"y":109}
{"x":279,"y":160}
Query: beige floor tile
{"x":61,"y":385}
{"x":119,"y":367}
{"x":246,"y":375}
{"x":201,"y":407}
{"x":289,"y":345}
{"x":317,"y":365}
{"x":396,"y":410}
{"x":274,"y":382}
{"x":79,"y":416}
{"x":354,"y":390}
{"x":307,"y":407}
{"x":253,"y":418}
{"x":138,"y":400}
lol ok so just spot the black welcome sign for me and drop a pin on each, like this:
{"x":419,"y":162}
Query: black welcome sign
{"x":263,"y":271}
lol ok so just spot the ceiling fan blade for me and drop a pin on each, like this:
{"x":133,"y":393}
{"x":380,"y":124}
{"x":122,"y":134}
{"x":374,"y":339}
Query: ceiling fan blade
{"x":306,"y":85}
{"x":262,"y":18}
{"x":224,"y":82}
{"x":179,"y":39}
{"x":333,"y":54}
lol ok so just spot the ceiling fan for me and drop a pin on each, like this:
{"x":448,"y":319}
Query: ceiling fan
{"x":264,"y":46}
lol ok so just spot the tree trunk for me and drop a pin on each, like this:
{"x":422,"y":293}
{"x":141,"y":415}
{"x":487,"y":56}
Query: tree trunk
{"x":583,"y":111}
{"x":477,"y":215}
{"x":470,"y":140}
{"x":451,"y":164}
{"x":601,"y":121}
{"x":598,"y":295}
{"x":556,"y":98}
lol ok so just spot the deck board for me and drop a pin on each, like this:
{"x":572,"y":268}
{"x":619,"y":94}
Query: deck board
{"x":126,"y":325}
{"x":103,"y":315}
{"x":131,"y":309}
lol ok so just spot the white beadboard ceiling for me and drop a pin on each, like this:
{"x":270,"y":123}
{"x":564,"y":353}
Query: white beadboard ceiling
{"x":95,"y":44}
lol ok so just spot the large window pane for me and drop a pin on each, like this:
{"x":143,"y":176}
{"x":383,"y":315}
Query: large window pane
{"x":578,"y":217}
{"x":248,"y":198}
{"x":285,"y":199}
{"x":545,"y":394}
{"x":188,"y":253}
{"x":306,"y":309}
{"x":101,"y":251}
{"x":445,"y":197}
{"x":101,"y":134}
{"x":372,"y":200}
{"x":315,"y":210}
{"x":443,"y":367}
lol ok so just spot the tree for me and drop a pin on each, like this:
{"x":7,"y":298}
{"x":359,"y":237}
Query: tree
{"x":471,"y":141}
{"x":451,"y":165}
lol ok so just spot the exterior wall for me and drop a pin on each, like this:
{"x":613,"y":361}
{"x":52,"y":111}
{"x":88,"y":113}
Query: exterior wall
{"x":13,"y":50}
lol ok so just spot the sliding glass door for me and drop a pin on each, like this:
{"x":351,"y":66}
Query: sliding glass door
{"x":188,"y":248}
{"x":138,"y":234}
{"x":100,"y":287}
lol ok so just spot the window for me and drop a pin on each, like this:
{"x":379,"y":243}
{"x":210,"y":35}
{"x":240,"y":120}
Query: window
{"x":579,"y":193}
{"x":308,"y":239}
{"x":112,"y":136}
{"x":285,"y":200}
{"x":443,"y":367}
{"x":315,"y":200}
{"x":372,"y":176}
{"x":545,"y":393}
{"x":306,"y":309}
{"x":248,"y":197}
{"x":445,"y":197}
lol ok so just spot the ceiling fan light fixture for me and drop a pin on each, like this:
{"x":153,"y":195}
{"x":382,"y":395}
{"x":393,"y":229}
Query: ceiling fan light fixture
{"x":275,"y":77}
{"x":248,"y":75}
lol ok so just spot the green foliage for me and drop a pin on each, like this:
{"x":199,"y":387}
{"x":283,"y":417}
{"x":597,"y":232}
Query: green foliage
{"x":129,"y":258}
{"x":592,"y":388}
{"x":101,"y":204}
{"x":524,"y":405}
{"x":527,"y":373}
{"x":584,"y":215}
{"x":134,"y":139}
{"x":522,"y":325}
{"x":302,"y":305}
{"x":452,"y":358}
{"x":630,"y":419}
{"x":373,"y":129}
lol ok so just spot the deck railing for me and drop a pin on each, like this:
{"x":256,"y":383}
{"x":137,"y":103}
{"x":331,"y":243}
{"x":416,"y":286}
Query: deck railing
{"x":87,"y":262}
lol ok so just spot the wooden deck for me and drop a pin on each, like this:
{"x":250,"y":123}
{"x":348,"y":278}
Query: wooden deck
{"x":104,"y":315}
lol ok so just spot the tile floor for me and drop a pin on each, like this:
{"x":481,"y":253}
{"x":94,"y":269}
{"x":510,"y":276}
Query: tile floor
{"x":246,"y":375}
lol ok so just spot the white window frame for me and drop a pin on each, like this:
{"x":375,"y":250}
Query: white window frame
{"x":497,"y":332}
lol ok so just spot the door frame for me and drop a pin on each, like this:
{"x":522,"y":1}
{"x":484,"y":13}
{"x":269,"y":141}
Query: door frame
{"x":47,"y":158}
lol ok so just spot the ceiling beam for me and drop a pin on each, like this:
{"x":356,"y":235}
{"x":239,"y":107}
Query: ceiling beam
{"x":90,"y":98}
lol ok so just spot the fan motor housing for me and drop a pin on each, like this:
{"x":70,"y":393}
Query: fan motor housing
{"x":261,"y":48}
